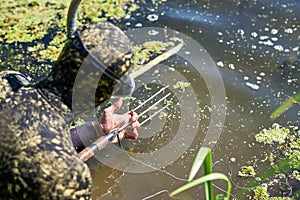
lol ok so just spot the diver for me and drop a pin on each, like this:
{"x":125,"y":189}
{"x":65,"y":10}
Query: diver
{"x":38,"y":151}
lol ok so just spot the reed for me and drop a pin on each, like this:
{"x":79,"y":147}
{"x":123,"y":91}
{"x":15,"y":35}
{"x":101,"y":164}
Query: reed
{"x":204,"y":157}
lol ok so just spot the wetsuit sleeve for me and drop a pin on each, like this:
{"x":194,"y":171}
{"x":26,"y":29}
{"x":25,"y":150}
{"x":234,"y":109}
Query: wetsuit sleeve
{"x":82,"y":136}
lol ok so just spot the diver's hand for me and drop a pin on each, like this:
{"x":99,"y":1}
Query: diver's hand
{"x":110,"y":121}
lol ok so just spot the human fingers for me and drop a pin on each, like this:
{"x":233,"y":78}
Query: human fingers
{"x":107,"y":121}
{"x":131,"y":134}
{"x":114,"y":107}
{"x":133,"y":116}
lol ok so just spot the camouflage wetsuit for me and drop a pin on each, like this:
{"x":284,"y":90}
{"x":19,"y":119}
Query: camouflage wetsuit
{"x":37,"y":158}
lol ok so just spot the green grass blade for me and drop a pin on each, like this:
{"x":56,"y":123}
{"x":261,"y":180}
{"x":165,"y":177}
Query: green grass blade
{"x":285,"y":106}
{"x":203,"y":151}
{"x":209,"y":177}
{"x":209,"y":191}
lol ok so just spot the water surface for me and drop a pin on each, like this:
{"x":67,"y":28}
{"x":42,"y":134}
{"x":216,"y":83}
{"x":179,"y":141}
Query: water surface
{"x":255,"y":45}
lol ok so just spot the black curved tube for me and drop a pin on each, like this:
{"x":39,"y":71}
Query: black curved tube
{"x":72,"y":18}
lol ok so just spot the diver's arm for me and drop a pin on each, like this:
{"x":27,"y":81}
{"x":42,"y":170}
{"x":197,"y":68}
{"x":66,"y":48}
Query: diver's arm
{"x":82,"y":136}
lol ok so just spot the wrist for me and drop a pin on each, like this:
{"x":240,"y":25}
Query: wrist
{"x":82,"y":136}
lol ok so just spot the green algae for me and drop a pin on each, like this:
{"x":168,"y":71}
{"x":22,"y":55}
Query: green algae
{"x":33,"y":33}
{"x":25,"y":21}
{"x":182,"y":85}
{"x":261,"y":193}
{"x":144,"y":52}
{"x":288,"y":142}
{"x":286,"y":154}
{"x":274,"y":134}
{"x":247,"y":171}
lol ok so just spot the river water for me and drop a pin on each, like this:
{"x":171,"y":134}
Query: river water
{"x":255,"y":48}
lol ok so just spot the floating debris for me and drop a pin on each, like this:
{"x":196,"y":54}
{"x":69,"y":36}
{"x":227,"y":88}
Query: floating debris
{"x":181,"y":85}
{"x":152,"y":17}
{"x":172,"y":69}
{"x":252,"y":85}
{"x":220,"y":64}
{"x":153,"y":32}
{"x":231,"y":66}
{"x":278,"y":48}
{"x":288,"y":30}
{"x":262,"y":74}
{"x":246,"y":78}
{"x":254,"y":34}
{"x":264,"y":37}
{"x":138,"y":25}
{"x":274,"y":31}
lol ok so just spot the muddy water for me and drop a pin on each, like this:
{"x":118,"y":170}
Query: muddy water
{"x":255,"y":45}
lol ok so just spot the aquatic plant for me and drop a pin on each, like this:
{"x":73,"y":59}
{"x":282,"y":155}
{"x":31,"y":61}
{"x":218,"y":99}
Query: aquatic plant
{"x":286,"y":105}
{"x":260,"y":193}
{"x":204,"y":157}
{"x":182,"y":85}
{"x":32,"y":33}
{"x":273,"y":134}
{"x":247,"y":171}
{"x":284,"y":159}
{"x":144,"y":52}
{"x":19,"y":25}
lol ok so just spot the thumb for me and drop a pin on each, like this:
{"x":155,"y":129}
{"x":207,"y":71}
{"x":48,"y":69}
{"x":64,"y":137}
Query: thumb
{"x":115,"y":106}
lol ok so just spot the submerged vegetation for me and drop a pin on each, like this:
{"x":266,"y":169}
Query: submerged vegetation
{"x":286,"y":105}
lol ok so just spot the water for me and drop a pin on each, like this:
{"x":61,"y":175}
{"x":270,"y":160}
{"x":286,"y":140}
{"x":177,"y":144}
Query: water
{"x":255,"y":45}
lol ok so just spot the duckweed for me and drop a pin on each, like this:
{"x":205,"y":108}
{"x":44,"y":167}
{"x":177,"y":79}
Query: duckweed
{"x":144,"y":52}
{"x":288,"y":140}
{"x":181,"y":85}
{"x":33,"y":41}
{"x":261,"y":193}
{"x":247,"y":171}
{"x":274,"y":134}
{"x":286,"y":158}
{"x":18,"y":24}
